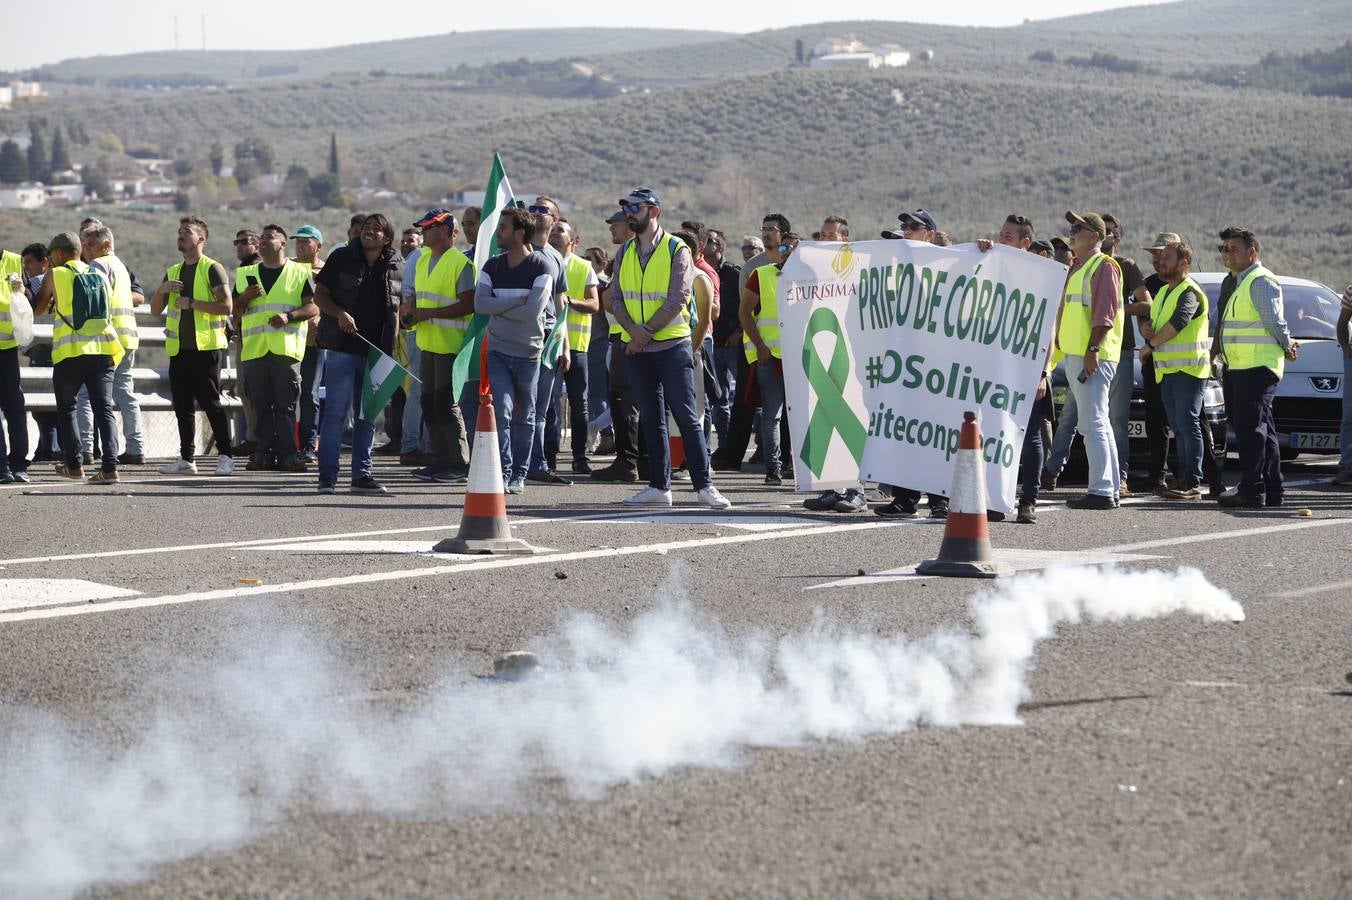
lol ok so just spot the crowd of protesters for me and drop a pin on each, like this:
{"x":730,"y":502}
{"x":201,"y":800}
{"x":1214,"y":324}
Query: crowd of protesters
{"x":658,"y":326}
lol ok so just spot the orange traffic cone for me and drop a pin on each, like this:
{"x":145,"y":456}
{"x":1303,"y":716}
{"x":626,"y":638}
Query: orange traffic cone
{"x":675,"y":445}
{"x":966,"y":548}
{"x":483,"y":525}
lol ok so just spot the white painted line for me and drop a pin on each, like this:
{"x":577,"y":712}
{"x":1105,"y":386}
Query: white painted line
{"x":24,"y":593}
{"x":370,"y":548}
{"x":741,"y":523}
{"x":1021,"y":560}
{"x":1114,"y":553}
{"x":509,"y":562}
{"x":1317,"y":589}
{"x":1164,"y":543}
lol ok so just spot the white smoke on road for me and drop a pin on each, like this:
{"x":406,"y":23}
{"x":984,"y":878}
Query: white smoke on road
{"x":233,"y":748}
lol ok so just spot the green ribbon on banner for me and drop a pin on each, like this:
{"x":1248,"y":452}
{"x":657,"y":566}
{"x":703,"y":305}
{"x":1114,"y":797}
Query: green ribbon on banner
{"x":832,"y":414}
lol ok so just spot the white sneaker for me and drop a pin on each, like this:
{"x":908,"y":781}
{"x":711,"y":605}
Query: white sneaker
{"x":180,"y":467}
{"x":649,"y":496}
{"x":711,"y":498}
{"x":225,"y":466}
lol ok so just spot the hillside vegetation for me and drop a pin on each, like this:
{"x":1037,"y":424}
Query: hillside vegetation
{"x":424,"y":54}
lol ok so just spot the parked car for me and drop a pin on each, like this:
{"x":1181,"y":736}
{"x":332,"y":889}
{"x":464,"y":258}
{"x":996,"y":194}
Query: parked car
{"x":1308,"y":406}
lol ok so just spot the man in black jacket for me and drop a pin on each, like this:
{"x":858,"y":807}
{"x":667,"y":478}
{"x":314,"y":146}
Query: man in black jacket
{"x":358,"y":291}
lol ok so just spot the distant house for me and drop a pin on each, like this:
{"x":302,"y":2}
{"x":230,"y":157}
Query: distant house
{"x":25,"y":196}
{"x":68,"y":193}
{"x":850,"y":52}
{"x":19,"y":90}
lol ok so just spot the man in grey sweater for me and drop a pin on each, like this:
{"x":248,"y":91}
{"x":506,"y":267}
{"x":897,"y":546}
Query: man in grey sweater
{"x":515,"y":289}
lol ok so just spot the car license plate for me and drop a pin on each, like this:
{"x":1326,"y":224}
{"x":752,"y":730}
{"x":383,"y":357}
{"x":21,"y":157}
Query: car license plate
{"x":1136,"y":429}
{"x":1301,"y":440}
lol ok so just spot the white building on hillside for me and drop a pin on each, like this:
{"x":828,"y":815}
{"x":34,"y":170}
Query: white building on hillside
{"x":25,"y":196}
{"x":850,"y":52}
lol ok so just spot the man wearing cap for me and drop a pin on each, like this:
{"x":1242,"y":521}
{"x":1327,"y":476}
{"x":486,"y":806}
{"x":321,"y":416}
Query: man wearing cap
{"x":631,"y":453}
{"x":1255,"y":344}
{"x":443,"y":290}
{"x":1089,"y":334}
{"x":276,"y":303}
{"x":915,"y":226}
{"x":651,"y":298}
{"x":83,"y":357}
{"x":309,"y":241}
{"x":1178,"y":344}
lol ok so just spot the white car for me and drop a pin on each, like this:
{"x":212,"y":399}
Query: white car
{"x":1308,"y":405}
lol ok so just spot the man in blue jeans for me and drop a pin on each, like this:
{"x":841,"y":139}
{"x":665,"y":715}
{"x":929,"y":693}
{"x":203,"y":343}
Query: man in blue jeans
{"x":759,"y":317}
{"x":515,"y":290}
{"x":1344,"y":475}
{"x":358,"y":291}
{"x":650,"y":297}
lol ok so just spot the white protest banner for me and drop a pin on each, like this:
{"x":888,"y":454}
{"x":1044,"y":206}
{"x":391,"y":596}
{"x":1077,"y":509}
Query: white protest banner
{"x":887,"y":343}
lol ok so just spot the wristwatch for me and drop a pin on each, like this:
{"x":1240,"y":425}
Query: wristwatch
{"x":1092,"y":348}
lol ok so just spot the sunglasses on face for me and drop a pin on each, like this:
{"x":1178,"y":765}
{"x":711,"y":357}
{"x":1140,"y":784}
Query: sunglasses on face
{"x":240,"y":242}
{"x":913,"y":226}
{"x":1077,"y":227}
{"x":633,"y":209}
{"x":540,"y":211}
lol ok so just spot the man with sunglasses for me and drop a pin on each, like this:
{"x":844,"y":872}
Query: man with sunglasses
{"x":544,"y":213}
{"x":759,"y":316}
{"x":1253,"y":339}
{"x":1089,"y":333}
{"x":915,"y":226}
{"x":651,"y":298}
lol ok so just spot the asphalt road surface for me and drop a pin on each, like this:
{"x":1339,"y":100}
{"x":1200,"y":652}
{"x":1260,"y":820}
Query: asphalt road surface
{"x":258,"y":691}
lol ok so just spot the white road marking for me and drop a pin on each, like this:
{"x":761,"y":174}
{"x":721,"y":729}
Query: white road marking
{"x":1317,"y":589}
{"x":483,"y":563}
{"x":741,"y":523}
{"x":371,"y":548}
{"x":1086,"y":557}
{"x":1021,"y":560}
{"x":24,"y":593}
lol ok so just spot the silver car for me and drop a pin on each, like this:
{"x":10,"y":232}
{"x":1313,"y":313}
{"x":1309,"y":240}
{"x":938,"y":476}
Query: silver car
{"x":1308,"y":405}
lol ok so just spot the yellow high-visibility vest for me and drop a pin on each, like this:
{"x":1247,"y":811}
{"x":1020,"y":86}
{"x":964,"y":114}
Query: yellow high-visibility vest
{"x":576,"y":270}
{"x":286,"y":296}
{"x":68,"y":343}
{"x":435,"y":287}
{"x":645,"y":287}
{"x":11,"y":263}
{"x":1189,"y":351}
{"x":209,"y":328}
{"x":767,"y":318}
{"x":1076,"y":313}
{"x":120,"y":310}
{"x":1245,"y":341}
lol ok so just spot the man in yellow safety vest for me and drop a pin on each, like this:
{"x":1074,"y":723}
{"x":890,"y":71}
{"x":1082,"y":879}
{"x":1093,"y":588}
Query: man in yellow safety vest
{"x":650,"y":298}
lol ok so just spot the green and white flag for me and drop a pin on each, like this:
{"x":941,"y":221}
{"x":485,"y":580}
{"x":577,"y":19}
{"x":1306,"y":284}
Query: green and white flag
{"x":497,"y":197}
{"x":555,"y":341}
{"x":383,"y":377}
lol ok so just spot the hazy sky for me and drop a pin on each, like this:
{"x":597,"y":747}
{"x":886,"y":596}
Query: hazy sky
{"x":102,"y":27}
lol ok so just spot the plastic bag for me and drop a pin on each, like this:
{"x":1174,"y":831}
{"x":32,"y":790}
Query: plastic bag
{"x":20,"y":315}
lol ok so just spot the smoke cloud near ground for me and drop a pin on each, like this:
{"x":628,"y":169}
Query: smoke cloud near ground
{"x":234,"y":747}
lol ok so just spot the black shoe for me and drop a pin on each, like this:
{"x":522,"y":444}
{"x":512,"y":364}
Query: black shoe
{"x":258,"y":462}
{"x":1239,"y":501}
{"x":1274,"y":500}
{"x":1092,"y":501}
{"x":1027,"y":514}
{"x":994,"y":516}
{"x":326,"y":486}
{"x":582,"y":467}
{"x":296,"y":462}
{"x":367,"y":485}
{"x":615,"y":474}
{"x":1215,"y":489}
{"x":547,"y":477}
{"x":1048,"y":481}
{"x":388,"y":449}
{"x":725,"y":465}
{"x":897,"y":509}
{"x":823,"y":501}
{"x":131,"y":459}
{"x":773,"y":478}
{"x":938,"y":508}
{"x":852,"y":501}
